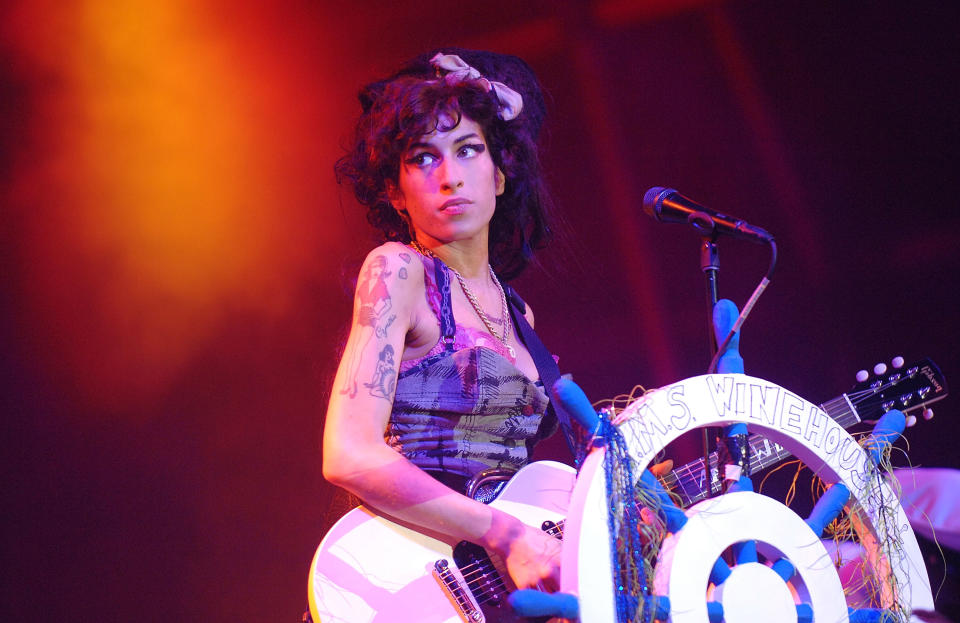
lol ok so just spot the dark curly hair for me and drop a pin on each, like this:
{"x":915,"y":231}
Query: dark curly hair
{"x":400,"y":109}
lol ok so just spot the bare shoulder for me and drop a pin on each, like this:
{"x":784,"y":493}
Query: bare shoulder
{"x":393,"y":253}
{"x":396,"y":264}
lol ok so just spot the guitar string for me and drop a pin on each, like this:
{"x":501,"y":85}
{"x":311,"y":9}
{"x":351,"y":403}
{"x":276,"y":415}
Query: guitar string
{"x":471,"y":575}
{"x":486,"y":567}
{"x":486,"y":594}
{"x":492,"y":586}
{"x":471,"y":571}
{"x":467,"y":571}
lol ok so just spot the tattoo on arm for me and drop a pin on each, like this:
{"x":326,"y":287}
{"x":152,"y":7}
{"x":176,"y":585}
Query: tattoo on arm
{"x":374,"y":302}
{"x":382,"y":331}
{"x":384,"y":379}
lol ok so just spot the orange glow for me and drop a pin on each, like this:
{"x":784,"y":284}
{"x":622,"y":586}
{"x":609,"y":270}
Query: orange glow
{"x":157,"y":198}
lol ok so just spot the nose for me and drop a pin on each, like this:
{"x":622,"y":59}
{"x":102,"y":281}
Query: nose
{"x":451,"y":177}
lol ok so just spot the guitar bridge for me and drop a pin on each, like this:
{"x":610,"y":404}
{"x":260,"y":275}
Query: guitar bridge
{"x":477,"y":588}
{"x":456,"y":592}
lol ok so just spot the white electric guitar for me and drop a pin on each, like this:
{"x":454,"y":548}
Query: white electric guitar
{"x":372,"y":569}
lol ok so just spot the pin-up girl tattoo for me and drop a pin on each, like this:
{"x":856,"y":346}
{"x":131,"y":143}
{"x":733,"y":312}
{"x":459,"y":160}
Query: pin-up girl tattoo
{"x":385,"y":376}
{"x":374,"y":303}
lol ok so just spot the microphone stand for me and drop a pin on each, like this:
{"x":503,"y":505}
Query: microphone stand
{"x":666,"y":205}
{"x":710,"y":265}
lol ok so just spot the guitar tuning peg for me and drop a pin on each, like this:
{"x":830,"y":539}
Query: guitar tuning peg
{"x":862,"y":376}
{"x":880,"y":368}
{"x":928,"y":413}
{"x":911,"y":421}
{"x":897,"y":362}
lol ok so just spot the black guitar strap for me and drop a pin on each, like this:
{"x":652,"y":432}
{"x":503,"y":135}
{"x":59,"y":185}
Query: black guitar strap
{"x":546,"y":367}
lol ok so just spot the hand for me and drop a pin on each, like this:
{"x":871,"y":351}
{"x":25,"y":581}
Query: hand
{"x":662,"y":468}
{"x":533,"y":559}
{"x":659,"y":470}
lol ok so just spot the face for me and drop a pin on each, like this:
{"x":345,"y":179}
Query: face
{"x":448,"y":184}
{"x":376,"y":268}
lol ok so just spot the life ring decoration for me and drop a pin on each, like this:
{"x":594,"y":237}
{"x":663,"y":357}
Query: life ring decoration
{"x":799,"y":582}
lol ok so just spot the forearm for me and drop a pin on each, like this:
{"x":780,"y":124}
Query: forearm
{"x":392,"y":484}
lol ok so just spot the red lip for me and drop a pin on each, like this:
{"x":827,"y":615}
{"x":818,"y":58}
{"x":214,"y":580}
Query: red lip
{"x":450,"y":203}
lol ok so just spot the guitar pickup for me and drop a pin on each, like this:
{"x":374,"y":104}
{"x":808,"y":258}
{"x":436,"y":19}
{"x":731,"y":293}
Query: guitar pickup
{"x":554,"y":529}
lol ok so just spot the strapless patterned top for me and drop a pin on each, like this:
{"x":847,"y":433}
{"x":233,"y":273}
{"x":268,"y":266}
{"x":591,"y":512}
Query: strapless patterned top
{"x":464,"y":406}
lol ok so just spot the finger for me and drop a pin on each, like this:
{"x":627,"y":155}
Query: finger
{"x":646,"y":516}
{"x":551,"y":583}
{"x":662,"y":468}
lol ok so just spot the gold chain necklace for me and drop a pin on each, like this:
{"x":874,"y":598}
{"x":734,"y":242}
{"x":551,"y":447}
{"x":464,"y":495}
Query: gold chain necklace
{"x":475,"y":302}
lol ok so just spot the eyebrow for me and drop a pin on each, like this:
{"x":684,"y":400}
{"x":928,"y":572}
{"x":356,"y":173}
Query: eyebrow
{"x":458,"y":140}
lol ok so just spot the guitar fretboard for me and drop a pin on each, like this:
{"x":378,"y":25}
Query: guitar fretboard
{"x":690,"y":481}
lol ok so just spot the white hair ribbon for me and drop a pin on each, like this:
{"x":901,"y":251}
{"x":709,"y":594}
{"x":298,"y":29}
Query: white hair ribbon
{"x":511,"y":103}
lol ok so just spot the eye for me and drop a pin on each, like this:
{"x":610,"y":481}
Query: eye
{"x":421,"y":159}
{"x":470,"y":150}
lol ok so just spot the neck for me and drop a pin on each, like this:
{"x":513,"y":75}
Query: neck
{"x":468,"y":257}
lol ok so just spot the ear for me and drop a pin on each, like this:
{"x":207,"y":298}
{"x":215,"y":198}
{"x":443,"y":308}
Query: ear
{"x":395,"y":195}
{"x":501,"y":182}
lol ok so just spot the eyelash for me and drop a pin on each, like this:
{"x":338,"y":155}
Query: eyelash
{"x":478,"y":148}
{"x":418,"y":158}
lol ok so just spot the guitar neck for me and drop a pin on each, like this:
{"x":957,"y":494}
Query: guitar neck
{"x":690,"y":481}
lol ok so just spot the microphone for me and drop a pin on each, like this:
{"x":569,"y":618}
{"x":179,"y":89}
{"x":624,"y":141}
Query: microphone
{"x":669,"y":206}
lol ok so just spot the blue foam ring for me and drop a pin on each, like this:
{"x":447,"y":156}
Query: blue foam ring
{"x":673,"y":517}
{"x":725,"y":314}
{"x":870,"y":615}
{"x":720,"y":572}
{"x":715,"y":611}
{"x":745,"y":551}
{"x":568,"y":397}
{"x":886,"y":431}
{"x":528,"y":602}
{"x":828,"y":507}
{"x":744,"y":484}
{"x":784,"y":568}
{"x":804,"y":613}
{"x":740,"y":428}
{"x":663,"y":607}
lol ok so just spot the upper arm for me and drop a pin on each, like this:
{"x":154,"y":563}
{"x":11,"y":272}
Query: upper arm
{"x":362,"y":396}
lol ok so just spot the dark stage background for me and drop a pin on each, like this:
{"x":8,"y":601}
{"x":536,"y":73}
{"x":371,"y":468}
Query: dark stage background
{"x":178,"y":260}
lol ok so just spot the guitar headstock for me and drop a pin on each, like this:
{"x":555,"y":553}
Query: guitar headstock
{"x":908,"y":388}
